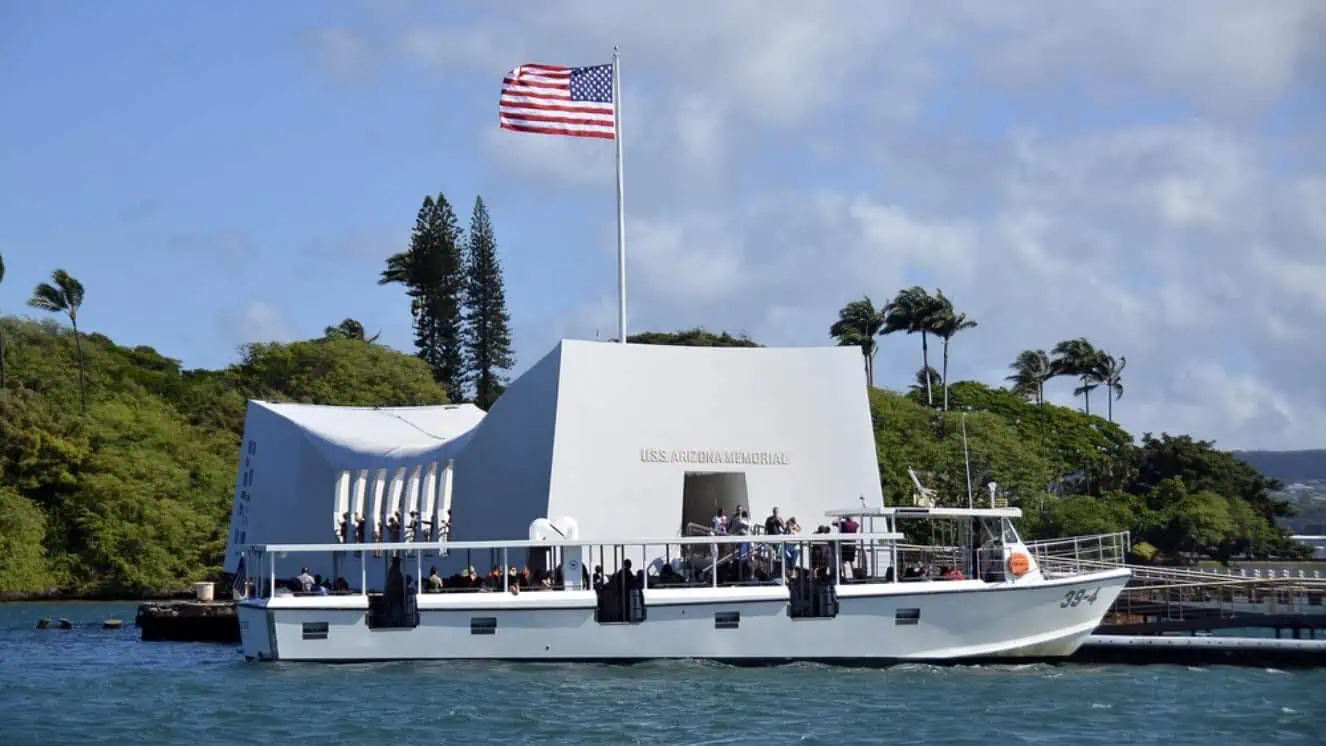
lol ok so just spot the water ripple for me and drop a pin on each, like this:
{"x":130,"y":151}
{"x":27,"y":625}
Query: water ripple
{"x":94,"y":686}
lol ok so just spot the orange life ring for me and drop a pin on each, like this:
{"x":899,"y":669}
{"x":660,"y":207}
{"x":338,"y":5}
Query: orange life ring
{"x":1019,"y":564}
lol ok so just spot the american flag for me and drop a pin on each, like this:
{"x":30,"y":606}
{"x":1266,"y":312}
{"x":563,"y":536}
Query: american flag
{"x":551,"y":100}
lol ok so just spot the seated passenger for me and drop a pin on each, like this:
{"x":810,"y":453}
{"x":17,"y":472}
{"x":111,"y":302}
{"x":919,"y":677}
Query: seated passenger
{"x":434,"y":581}
{"x":305,"y":581}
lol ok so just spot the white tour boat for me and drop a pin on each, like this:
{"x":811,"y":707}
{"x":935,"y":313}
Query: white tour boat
{"x":898,"y":584}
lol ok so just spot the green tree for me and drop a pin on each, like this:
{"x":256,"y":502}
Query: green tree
{"x":1109,"y":372}
{"x":925,"y":378}
{"x":946,"y":323}
{"x":1030,"y":372}
{"x":349,"y":329}
{"x":64,"y":296}
{"x":914,"y":311}
{"x":1084,"y":515}
{"x":487,"y":322}
{"x":139,"y":534}
{"x":691,"y":338}
{"x":433,"y":274}
{"x":1078,"y":358}
{"x":22,"y":540}
{"x":335,"y":371}
{"x":858,"y":325}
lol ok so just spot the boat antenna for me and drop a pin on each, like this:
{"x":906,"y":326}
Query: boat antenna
{"x":966,"y":457}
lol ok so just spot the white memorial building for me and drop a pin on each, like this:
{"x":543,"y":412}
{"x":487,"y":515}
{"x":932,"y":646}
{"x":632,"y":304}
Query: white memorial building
{"x":631,"y":441}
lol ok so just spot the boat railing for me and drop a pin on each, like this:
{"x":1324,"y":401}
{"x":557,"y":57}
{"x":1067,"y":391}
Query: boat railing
{"x":1078,"y":554}
{"x":682,"y":561}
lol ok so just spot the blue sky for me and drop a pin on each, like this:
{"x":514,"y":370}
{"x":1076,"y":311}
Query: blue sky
{"x":223,"y":172}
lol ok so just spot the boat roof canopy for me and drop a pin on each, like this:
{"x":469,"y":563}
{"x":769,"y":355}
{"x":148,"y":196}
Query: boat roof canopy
{"x":915,"y":512}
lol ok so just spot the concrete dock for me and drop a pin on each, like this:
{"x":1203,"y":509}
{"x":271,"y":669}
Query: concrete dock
{"x":188,"y":621}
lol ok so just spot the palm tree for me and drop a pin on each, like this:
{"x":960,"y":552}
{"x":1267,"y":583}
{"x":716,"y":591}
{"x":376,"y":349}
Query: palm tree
{"x":1030,"y":372}
{"x":349,"y":329}
{"x":857,"y":326}
{"x":1110,"y":374}
{"x":914,"y":310}
{"x":925,"y":377}
{"x":2,"y":332}
{"x":1078,"y":358}
{"x":947,"y":323}
{"x":65,"y":296}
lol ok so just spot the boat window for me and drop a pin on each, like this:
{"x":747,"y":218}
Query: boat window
{"x":315,"y":630}
{"x":483,"y":625}
{"x":906,"y":617}
{"x":1010,"y":533}
{"x":727,"y":619}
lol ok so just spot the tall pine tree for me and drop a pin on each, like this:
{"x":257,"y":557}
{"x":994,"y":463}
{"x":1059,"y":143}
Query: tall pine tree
{"x":487,"y":323}
{"x":433,"y":274}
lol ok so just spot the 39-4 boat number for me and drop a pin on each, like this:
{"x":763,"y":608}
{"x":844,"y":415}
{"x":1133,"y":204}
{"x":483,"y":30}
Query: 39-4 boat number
{"x":1079,"y":596}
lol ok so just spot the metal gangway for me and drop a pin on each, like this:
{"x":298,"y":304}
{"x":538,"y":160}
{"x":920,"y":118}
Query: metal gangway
{"x":1192,"y":597}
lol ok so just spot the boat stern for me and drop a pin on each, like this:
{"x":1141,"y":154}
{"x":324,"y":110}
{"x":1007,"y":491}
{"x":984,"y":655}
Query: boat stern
{"x":257,"y":630}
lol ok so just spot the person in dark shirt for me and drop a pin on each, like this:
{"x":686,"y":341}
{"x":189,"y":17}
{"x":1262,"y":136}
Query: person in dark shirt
{"x":848,"y":525}
{"x":773,"y":525}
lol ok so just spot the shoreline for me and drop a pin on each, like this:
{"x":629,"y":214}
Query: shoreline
{"x":52,"y":597}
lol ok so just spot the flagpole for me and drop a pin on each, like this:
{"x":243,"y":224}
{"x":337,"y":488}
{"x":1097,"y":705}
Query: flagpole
{"x":621,"y":205}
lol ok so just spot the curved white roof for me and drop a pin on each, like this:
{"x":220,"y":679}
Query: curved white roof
{"x":377,"y":432}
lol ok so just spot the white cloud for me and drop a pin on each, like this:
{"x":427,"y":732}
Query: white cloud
{"x":1060,"y":170}
{"x":344,"y":53}
{"x":256,"y":321}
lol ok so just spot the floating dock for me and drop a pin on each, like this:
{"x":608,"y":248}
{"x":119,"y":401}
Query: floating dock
{"x":1203,"y":651}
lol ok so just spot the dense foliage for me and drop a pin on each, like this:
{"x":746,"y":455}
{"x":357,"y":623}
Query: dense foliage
{"x":134,"y":496}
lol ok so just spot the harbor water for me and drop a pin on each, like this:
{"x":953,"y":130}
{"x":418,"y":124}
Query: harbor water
{"x":92,"y":685}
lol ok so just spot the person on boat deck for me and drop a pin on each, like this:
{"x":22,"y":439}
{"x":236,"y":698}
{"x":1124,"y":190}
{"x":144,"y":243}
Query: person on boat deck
{"x":413,"y":534}
{"x":773,"y":525}
{"x":359,"y":527}
{"x":848,"y":525}
{"x":740,"y":526}
{"x":347,"y":526}
{"x":320,"y":586}
{"x":792,"y":551}
{"x":434,"y":580}
{"x":395,"y":582}
{"x":305,"y":581}
{"x":624,"y":578}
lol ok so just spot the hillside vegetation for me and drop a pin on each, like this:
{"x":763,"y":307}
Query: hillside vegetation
{"x":134,"y":497}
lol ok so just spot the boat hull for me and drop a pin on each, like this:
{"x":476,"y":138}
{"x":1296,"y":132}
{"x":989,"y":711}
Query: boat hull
{"x":875,"y":624}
